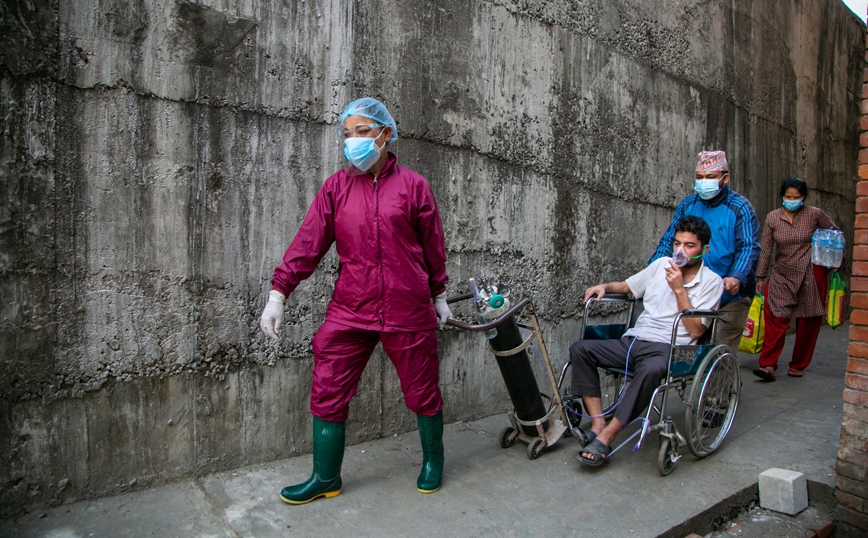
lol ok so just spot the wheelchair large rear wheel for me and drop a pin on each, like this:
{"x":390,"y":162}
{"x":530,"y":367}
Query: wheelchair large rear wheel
{"x":712,"y":402}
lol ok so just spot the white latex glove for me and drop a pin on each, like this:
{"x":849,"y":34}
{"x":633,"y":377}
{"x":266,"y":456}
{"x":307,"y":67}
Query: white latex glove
{"x":272,"y":315}
{"x":442,"y":309}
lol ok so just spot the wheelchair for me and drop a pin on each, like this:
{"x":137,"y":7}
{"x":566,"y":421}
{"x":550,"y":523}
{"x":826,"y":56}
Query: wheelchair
{"x":705,"y":375}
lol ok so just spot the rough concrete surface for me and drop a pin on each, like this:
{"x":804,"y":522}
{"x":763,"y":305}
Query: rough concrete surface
{"x":760,"y":523}
{"x":157,"y":157}
{"x":490,"y":491}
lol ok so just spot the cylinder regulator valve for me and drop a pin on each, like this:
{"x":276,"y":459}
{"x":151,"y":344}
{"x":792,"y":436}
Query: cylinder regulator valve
{"x":490,"y":301}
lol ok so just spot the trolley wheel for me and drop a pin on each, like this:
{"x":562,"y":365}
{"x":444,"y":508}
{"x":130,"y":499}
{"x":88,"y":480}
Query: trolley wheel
{"x":535,"y":447}
{"x":507,"y":437}
{"x":712,"y":402}
{"x":667,"y":455}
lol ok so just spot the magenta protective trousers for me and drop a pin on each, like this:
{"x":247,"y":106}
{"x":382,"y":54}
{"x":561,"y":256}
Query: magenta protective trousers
{"x":341,"y":353}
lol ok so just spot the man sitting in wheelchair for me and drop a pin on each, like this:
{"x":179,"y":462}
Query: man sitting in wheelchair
{"x":667,"y":286}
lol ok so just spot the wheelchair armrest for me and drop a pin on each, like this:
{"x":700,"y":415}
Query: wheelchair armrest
{"x":689,"y":313}
{"x":612,"y":298}
{"x":617,"y":297}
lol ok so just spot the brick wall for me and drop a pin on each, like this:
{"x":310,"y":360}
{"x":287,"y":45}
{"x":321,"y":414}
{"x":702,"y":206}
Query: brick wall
{"x":852,"y":467}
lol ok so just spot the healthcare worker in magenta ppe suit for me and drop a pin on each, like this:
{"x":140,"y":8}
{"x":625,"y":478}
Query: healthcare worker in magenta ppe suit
{"x":391,"y":288}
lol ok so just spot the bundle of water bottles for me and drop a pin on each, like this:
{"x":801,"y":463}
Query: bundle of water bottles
{"x":827,"y":247}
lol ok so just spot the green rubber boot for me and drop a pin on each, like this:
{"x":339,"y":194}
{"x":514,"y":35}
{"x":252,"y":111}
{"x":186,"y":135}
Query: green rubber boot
{"x":328,"y":454}
{"x":431,"y":435}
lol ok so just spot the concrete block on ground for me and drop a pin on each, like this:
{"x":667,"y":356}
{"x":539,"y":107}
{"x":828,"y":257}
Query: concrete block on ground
{"x":783,"y":491}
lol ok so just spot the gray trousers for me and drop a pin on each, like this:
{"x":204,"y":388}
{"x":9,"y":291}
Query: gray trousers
{"x":649,"y":360}
{"x":730,"y":326}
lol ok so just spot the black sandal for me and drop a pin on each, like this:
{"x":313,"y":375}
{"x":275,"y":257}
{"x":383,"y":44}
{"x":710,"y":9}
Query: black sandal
{"x":597,"y":449}
{"x":764,"y":374}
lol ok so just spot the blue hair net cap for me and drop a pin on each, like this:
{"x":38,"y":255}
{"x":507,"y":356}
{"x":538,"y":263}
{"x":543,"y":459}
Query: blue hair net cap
{"x":369,"y":107}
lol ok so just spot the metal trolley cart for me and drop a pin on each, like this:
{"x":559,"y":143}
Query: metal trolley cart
{"x":530,"y":420}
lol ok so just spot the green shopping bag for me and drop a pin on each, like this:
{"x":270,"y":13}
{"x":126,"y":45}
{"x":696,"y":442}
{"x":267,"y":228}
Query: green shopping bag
{"x":754,"y":328}
{"x":835,"y":309}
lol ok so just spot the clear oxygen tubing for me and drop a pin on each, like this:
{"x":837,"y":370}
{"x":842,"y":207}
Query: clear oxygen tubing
{"x":626,"y":361}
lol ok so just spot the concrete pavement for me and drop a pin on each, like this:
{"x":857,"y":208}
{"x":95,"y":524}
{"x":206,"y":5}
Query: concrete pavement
{"x":488,"y":491}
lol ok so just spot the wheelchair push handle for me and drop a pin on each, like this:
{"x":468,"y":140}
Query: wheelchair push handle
{"x":485,"y":326}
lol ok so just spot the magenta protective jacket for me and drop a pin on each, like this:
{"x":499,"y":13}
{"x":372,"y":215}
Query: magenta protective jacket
{"x":390,"y":243}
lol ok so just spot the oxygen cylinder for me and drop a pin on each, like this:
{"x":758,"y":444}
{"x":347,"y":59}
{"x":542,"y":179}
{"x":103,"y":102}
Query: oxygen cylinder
{"x":518,"y":375}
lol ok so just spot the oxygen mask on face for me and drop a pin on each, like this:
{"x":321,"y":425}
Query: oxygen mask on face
{"x":681,"y":258}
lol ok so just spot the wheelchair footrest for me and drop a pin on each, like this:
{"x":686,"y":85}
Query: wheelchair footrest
{"x":644,"y":425}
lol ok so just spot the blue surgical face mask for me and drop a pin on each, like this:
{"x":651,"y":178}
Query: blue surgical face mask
{"x":707,"y":188}
{"x":792,"y":205}
{"x":362,"y":152}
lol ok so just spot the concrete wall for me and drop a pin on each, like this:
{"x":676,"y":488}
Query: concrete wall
{"x":158,"y":156}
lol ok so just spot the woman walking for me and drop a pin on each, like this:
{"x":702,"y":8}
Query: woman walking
{"x":796,"y":288}
{"x":390,"y":288}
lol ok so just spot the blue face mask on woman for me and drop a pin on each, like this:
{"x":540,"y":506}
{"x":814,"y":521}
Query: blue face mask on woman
{"x":362,"y":152}
{"x":792,"y":205}
{"x":707,"y":188}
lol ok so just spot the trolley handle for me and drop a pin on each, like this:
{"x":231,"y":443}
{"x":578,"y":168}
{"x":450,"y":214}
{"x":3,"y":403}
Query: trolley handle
{"x":456,"y":298}
{"x":484,"y":327}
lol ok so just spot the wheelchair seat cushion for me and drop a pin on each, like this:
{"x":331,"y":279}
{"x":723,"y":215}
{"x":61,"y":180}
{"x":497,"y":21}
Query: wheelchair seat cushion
{"x":604,"y":332}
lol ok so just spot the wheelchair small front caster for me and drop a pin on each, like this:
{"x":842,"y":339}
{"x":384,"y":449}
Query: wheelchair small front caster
{"x":667,"y":456}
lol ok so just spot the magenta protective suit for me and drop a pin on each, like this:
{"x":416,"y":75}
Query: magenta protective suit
{"x":389,"y":239}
